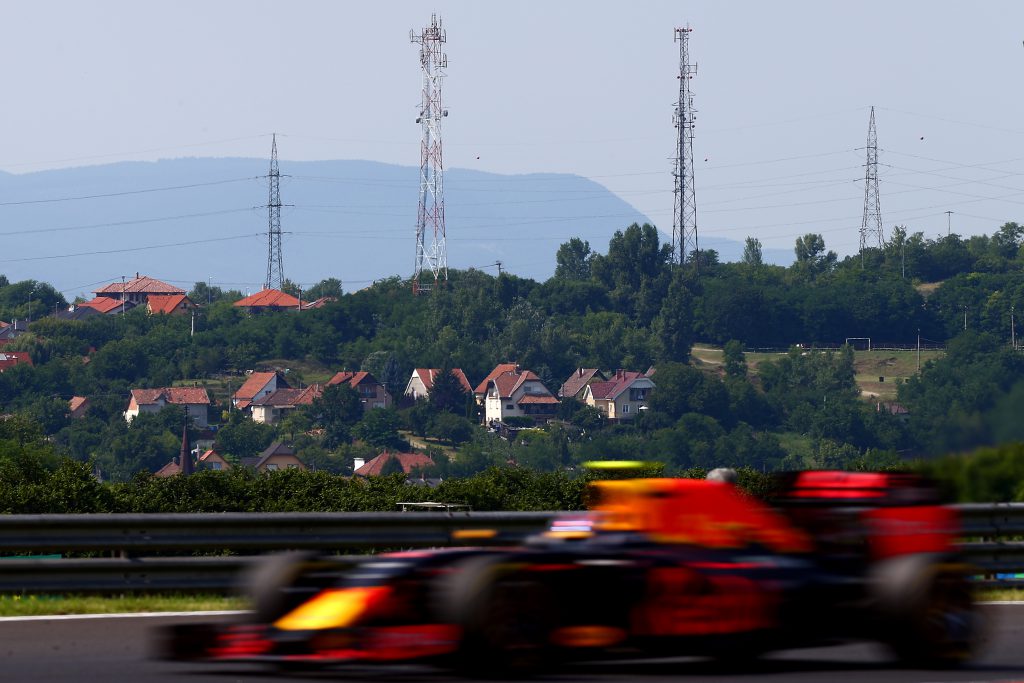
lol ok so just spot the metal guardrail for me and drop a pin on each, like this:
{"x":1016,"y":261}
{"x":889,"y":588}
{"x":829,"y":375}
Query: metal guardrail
{"x":132,"y":544}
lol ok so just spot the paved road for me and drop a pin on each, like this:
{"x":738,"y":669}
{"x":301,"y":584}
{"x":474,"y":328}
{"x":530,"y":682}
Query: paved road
{"x":116,"y":649}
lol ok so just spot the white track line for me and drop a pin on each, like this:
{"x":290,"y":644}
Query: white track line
{"x":125,"y":615}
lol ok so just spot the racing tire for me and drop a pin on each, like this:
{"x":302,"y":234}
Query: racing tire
{"x":506,"y":616}
{"x":928,"y":615}
{"x":273,"y":584}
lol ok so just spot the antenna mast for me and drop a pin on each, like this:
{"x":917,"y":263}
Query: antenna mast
{"x":684,"y":218}
{"x":871,"y":224}
{"x":431,"y":257}
{"x":275,"y":267}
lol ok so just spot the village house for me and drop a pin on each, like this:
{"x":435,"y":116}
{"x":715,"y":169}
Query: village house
{"x":375,"y":466}
{"x":8,"y":359}
{"x":212,"y":460}
{"x":268,"y":300}
{"x":169,"y":304}
{"x":578,"y":381}
{"x":106,"y":305}
{"x":372,"y":393}
{"x":77,"y":407}
{"x":137,"y":290}
{"x":422,"y":381}
{"x":257,"y":385}
{"x":622,"y":397}
{"x":195,"y":400}
{"x":481,"y":389}
{"x":270,"y":408}
{"x":277,"y":456}
{"x":518,"y":393}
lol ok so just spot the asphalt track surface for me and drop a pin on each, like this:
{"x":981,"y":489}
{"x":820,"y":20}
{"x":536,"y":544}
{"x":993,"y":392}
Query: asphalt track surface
{"x":117,"y":649}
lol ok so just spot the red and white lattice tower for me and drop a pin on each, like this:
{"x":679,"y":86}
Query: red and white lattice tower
{"x":431,"y":251}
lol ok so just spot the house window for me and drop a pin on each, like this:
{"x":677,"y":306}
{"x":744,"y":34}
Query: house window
{"x":215,"y":465}
{"x":271,"y":466}
{"x":625,"y":408}
{"x":638,"y":394}
{"x":509,"y":406}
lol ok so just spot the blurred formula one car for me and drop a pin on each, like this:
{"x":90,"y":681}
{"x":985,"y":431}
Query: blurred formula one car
{"x":658,"y":567}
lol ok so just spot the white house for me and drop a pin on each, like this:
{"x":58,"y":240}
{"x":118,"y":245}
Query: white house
{"x":518,"y":393}
{"x":195,"y":400}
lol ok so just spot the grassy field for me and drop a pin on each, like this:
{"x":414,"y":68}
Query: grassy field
{"x":40,"y":605}
{"x":869,"y":366}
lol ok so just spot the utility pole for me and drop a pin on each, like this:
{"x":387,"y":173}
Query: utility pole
{"x":1013,"y":330}
{"x":965,"y":318}
{"x":209,"y":290}
{"x":275,"y":264}
{"x":871,"y":222}
{"x":919,"y":350}
{"x":432,"y":257}
{"x":498,"y":263}
{"x":684,"y":209}
{"x":949,"y":224}
{"x":122,"y":296}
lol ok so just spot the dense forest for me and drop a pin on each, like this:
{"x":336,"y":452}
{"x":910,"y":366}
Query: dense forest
{"x":627,"y":307}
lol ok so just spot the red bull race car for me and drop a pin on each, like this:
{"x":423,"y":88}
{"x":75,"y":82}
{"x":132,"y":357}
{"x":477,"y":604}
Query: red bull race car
{"x":657,"y":567}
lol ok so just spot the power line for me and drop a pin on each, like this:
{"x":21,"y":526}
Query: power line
{"x":52,"y":200}
{"x":137,"y":221}
{"x":127,"y":249}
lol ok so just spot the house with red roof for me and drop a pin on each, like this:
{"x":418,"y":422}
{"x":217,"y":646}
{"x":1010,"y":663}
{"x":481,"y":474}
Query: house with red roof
{"x":481,"y":389}
{"x":518,"y":393}
{"x":270,"y":408}
{"x":107,"y":305}
{"x":372,"y":393}
{"x":169,"y":304}
{"x":8,"y":359}
{"x":408,"y":461}
{"x":212,"y":460}
{"x":257,"y":385}
{"x":78,"y":406}
{"x":277,"y":456}
{"x":573,"y":387}
{"x":194,"y":399}
{"x":422,"y":381}
{"x":622,"y":397}
{"x":137,"y":290}
{"x":268,"y":300}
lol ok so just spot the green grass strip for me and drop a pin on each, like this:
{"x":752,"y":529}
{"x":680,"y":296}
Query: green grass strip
{"x":46,"y":605}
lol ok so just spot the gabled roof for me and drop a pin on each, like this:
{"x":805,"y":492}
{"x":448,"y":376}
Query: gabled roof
{"x":256,"y":382}
{"x":427,"y":376}
{"x":8,"y":359}
{"x":172,"y":395}
{"x":169,"y":470}
{"x":577,"y":380}
{"x":276,"y":448}
{"x":79,"y":313}
{"x":408,"y":461}
{"x":353,"y":379}
{"x":620,"y":381}
{"x":77,"y":402}
{"x":268,"y":298}
{"x":290,"y":397}
{"x":507,"y":383}
{"x":318,"y":303}
{"x":166,"y":303}
{"x":106,"y":304}
{"x":537,"y":398}
{"x":501,"y":369}
{"x":140,"y":284}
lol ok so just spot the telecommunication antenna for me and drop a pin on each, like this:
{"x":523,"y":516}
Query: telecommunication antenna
{"x":431,"y":250}
{"x":871,"y":224}
{"x":275,"y":267}
{"x":684,"y":213}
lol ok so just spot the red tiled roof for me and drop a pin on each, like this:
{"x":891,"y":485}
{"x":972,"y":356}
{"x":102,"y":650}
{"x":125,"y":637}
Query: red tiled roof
{"x":313,"y":391}
{"x":172,"y":395}
{"x":427,"y":376}
{"x":140,"y":284}
{"x":76,"y":402}
{"x":508,"y":382}
{"x":408,"y":461}
{"x":602,"y":389}
{"x":290,"y":397}
{"x":8,"y":359}
{"x":577,"y":381}
{"x":318,"y":303}
{"x":169,"y":470}
{"x":501,"y":369}
{"x":269,"y":298}
{"x":537,"y":398}
{"x":254,"y":385}
{"x":351,"y":378}
{"x":165,"y":303}
{"x":620,"y":381}
{"x":106,"y":304}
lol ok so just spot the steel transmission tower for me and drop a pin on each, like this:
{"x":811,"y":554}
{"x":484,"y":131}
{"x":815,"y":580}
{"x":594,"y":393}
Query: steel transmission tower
{"x":431,"y":251}
{"x":684,"y":213}
{"x":871,"y":224}
{"x":275,"y":264}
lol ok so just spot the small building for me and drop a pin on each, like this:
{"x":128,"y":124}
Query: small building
{"x":169,"y":304}
{"x":137,"y":290}
{"x":277,"y":456}
{"x":78,"y":313}
{"x":77,"y":407}
{"x":573,"y":387}
{"x":195,"y":400}
{"x":408,"y":461}
{"x":257,"y":385}
{"x":107,"y":305}
{"x":622,"y":397}
{"x":212,"y":460}
{"x":8,"y":359}
{"x":518,"y":393}
{"x":372,"y":393}
{"x":422,"y":381}
{"x":268,"y":300}
{"x":270,"y":408}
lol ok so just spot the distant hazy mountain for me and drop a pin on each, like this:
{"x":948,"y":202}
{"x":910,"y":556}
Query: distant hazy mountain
{"x":185,"y":220}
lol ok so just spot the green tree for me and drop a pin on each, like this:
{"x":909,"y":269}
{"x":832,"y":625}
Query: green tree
{"x":673,"y":327}
{"x":337,"y":410}
{"x":573,"y":260}
{"x":379,"y":427}
{"x":752,"y":253}
{"x":735,"y":359}
{"x":447,"y":393}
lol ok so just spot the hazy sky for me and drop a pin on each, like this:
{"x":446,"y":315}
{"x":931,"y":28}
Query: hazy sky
{"x":783,"y":92}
